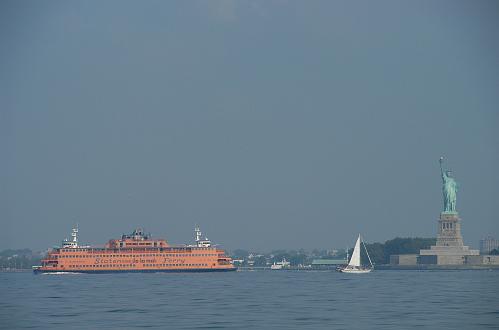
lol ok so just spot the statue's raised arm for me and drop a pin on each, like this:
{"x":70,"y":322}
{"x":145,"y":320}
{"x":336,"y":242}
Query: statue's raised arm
{"x":442,"y":172}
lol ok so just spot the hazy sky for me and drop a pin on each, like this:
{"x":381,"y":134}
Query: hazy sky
{"x":272,"y":124}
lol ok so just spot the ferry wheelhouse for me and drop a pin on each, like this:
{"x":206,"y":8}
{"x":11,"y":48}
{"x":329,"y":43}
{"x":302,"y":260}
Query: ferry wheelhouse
{"x":136,"y":252}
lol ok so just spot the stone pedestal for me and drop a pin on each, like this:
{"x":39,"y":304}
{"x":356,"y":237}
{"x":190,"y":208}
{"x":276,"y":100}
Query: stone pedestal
{"x":449,"y":249}
{"x":449,"y":230}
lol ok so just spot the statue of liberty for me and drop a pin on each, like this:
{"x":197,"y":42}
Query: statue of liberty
{"x":449,"y":189}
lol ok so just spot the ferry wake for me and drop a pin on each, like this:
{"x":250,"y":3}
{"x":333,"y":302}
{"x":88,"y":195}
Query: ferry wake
{"x":137,"y":252}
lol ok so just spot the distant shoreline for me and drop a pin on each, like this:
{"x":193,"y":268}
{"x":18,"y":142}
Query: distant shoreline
{"x":20,"y":270}
{"x":383,"y":267}
{"x":437,"y":267}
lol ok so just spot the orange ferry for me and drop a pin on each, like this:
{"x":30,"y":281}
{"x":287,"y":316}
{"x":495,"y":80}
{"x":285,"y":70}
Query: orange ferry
{"x":136,"y":252}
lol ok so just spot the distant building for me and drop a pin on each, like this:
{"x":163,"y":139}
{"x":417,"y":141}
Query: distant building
{"x":488,"y":244}
{"x":238,"y":262}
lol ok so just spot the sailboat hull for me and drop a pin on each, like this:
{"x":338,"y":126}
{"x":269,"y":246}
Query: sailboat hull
{"x":356,"y":271}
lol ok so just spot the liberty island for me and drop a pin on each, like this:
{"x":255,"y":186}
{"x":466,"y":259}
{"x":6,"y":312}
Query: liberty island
{"x":449,"y":249}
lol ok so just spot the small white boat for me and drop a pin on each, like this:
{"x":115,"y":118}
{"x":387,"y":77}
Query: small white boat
{"x":354,"y":266}
{"x":280,"y":265}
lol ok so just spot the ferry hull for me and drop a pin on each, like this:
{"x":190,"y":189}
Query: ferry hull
{"x":109,"y":271}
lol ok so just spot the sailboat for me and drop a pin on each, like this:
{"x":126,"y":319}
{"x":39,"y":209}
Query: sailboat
{"x":354,"y":265}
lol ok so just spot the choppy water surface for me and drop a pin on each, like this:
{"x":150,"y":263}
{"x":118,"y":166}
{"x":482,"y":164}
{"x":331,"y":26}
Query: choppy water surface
{"x":252,"y":300}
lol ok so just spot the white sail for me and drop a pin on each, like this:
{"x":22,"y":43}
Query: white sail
{"x":355,"y":260}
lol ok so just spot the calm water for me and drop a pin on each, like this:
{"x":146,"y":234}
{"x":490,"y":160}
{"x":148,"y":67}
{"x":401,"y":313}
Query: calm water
{"x":252,"y":300}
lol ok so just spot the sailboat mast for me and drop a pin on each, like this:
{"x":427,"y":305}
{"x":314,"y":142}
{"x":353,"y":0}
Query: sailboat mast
{"x":365,"y":248}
